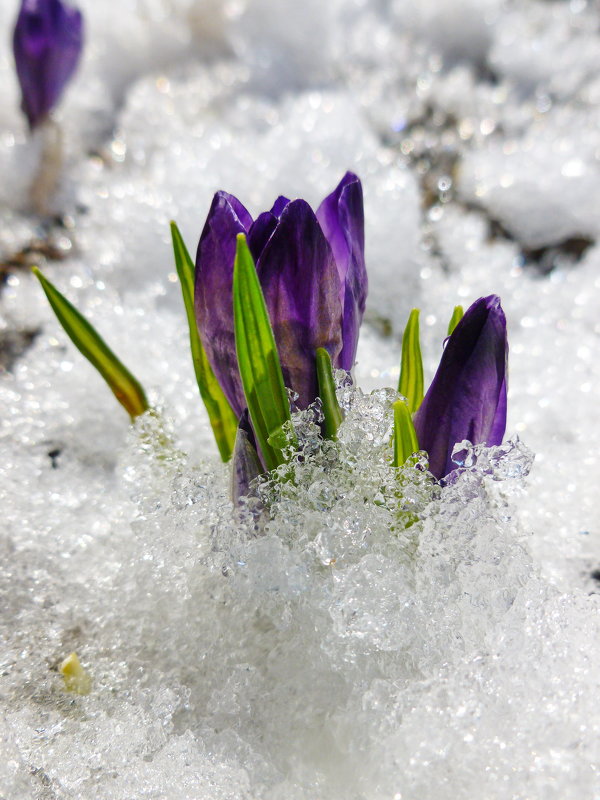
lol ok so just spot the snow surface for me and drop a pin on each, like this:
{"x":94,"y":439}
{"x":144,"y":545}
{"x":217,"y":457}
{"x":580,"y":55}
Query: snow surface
{"x":338,"y":654}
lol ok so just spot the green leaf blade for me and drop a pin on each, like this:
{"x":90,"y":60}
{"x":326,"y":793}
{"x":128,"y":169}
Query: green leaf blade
{"x":411,"y":384}
{"x":125,"y":387}
{"x":222,"y":419}
{"x":456,"y":317}
{"x":331,"y":409}
{"x":405,"y":437}
{"x":257,"y":355}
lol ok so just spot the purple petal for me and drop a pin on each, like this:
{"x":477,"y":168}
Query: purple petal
{"x":47,"y":43}
{"x":300,"y":282}
{"x":341,"y":217}
{"x":264,"y":225}
{"x":279,"y":205}
{"x":467,"y":397}
{"x":239,"y":209}
{"x":260,"y":233}
{"x":498,"y":428}
{"x":246,"y":463}
{"x":213,"y":292}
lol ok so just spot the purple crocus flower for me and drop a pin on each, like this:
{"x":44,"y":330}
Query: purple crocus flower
{"x":312,"y":272}
{"x":467,"y":397}
{"x":47,"y":43}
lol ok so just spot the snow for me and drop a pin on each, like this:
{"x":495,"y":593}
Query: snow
{"x":338,"y":654}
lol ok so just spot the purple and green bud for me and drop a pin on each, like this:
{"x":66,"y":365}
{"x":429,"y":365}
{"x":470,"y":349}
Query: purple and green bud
{"x":312,"y":274}
{"x":467,"y":397}
{"x":47,"y":43}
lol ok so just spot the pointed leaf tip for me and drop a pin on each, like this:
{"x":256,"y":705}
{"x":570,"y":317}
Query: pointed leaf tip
{"x":125,"y":387}
{"x":456,"y":317}
{"x":410,"y":384}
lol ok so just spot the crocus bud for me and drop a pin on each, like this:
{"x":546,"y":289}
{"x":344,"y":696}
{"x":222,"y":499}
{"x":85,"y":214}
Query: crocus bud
{"x":467,"y":397}
{"x":47,"y":43}
{"x":312,"y":272}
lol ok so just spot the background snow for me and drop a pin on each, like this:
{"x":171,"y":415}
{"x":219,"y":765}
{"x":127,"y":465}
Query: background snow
{"x":227,"y":667}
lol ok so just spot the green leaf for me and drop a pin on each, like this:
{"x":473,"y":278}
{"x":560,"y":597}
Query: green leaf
{"x":331,"y":409}
{"x":88,"y":341}
{"x":257,"y":355}
{"x":405,"y":437}
{"x":411,"y":371}
{"x":220,"y":414}
{"x":456,"y":317}
{"x":280,"y":437}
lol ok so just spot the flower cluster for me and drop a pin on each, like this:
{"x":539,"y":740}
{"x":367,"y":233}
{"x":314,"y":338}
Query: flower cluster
{"x":274,"y":305}
{"x":311,"y":268}
{"x":295,"y":314}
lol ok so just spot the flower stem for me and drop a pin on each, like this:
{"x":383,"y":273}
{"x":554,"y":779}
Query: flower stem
{"x":46,"y":179}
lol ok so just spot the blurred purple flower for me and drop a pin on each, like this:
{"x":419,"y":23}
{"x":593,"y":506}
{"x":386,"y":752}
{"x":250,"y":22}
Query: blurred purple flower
{"x":467,"y":397}
{"x":312,"y":272}
{"x":47,"y":43}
